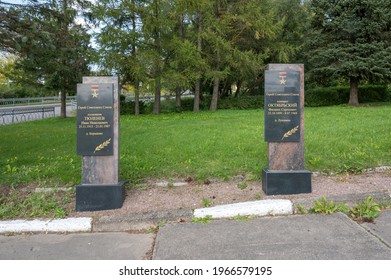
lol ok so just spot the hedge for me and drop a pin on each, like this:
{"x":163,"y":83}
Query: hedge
{"x":314,"y":97}
{"x":330,"y":96}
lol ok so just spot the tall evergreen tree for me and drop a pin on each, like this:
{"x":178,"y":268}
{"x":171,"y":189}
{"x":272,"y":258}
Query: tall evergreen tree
{"x":49,"y":42}
{"x":120,"y":41}
{"x":351,"y":40}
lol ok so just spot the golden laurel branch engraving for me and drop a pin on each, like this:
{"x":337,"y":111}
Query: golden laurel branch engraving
{"x":290,"y":132}
{"x":103,"y":145}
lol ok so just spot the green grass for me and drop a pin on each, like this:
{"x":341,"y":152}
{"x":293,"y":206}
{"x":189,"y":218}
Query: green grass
{"x":347,"y":139}
{"x":40,"y":152}
{"x":26,"y":204}
{"x":203,"y":145}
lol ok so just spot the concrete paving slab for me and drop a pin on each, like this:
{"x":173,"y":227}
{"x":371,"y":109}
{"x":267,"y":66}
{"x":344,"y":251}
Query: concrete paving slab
{"x":82,"y":246}
{"x":258,"y":208}
{"x":294,"y":237}
{"x":139,"y":221}
{"x":381,"y":227}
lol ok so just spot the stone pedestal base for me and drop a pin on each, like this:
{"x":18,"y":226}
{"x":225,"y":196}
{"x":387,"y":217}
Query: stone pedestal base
{"x":99,"y":197}
{"x":276,"y":182}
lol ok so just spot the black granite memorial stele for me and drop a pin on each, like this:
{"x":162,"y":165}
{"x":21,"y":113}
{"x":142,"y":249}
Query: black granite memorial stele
{"x":98,"y":143}
{"x":284,"y":131}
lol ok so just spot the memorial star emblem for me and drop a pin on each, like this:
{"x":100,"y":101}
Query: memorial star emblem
{"x":95,"y":91}
{"x":95,"y":94}
{"x":282,"y":78}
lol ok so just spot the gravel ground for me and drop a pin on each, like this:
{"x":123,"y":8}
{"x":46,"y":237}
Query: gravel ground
{"x":186,"y":194}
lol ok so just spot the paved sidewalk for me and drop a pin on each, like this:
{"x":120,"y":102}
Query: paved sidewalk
{"x":297,"y":237}
{"x":294,"y":237}
{"x":81,"y":246}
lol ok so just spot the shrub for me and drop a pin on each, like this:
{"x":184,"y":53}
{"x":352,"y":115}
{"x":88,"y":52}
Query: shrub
{"x":127,"y":107}
{"x":329,"y":96}
{"x":241,"y":102}
{"x":373,"y":93}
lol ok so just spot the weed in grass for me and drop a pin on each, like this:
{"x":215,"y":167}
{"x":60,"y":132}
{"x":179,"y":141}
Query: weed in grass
{"x":242,"y":185}
{"x":343,"y":208}
{"x":346,"y":169}
{"x":325,"y":207}
{"x":42,"y":204}
{"x":314,"y":160}
{"x":365,"y":211}
{"x":206,"y":202}
{"x":10,"y":166}
{"x":202,"y":220}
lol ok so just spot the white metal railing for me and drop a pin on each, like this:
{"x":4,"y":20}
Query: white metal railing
{"x":32,"y":100}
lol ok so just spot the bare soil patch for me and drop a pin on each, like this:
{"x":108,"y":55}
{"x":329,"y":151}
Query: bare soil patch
{"x":157,"y":195}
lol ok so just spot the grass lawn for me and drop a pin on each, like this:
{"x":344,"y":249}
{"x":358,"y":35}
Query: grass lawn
{"x":204,"y":145}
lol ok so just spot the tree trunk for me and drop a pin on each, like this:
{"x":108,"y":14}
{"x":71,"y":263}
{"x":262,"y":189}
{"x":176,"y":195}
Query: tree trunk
{"x":197,"y":91}
{"x":216,"y":85}
{"x":136,"y":98}
{"x":215,"y":95}
{"x":238,"y":88}
{"x":156,"y":105}
{"x":216,"y":79}
{"x":227,"y":91}
{"x":178,"y":103}
{"x":63,"y":99}
{"x":353,"y":98}
{"x":65,"y":25}
{"x":178,"y":90}
{"x":196,"y":107}
{"x":157,"y":70}
{"x":134,"y":50}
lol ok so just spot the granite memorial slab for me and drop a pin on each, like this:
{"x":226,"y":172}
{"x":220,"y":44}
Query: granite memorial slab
{"x":98,"y":144}
{"x":284,"y":131}
{"x":95,"y":117}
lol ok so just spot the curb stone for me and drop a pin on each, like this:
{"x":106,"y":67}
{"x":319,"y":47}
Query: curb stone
{"x":142,"y":221}
{"x":258,"y":208}
{"x":56,"y":225}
